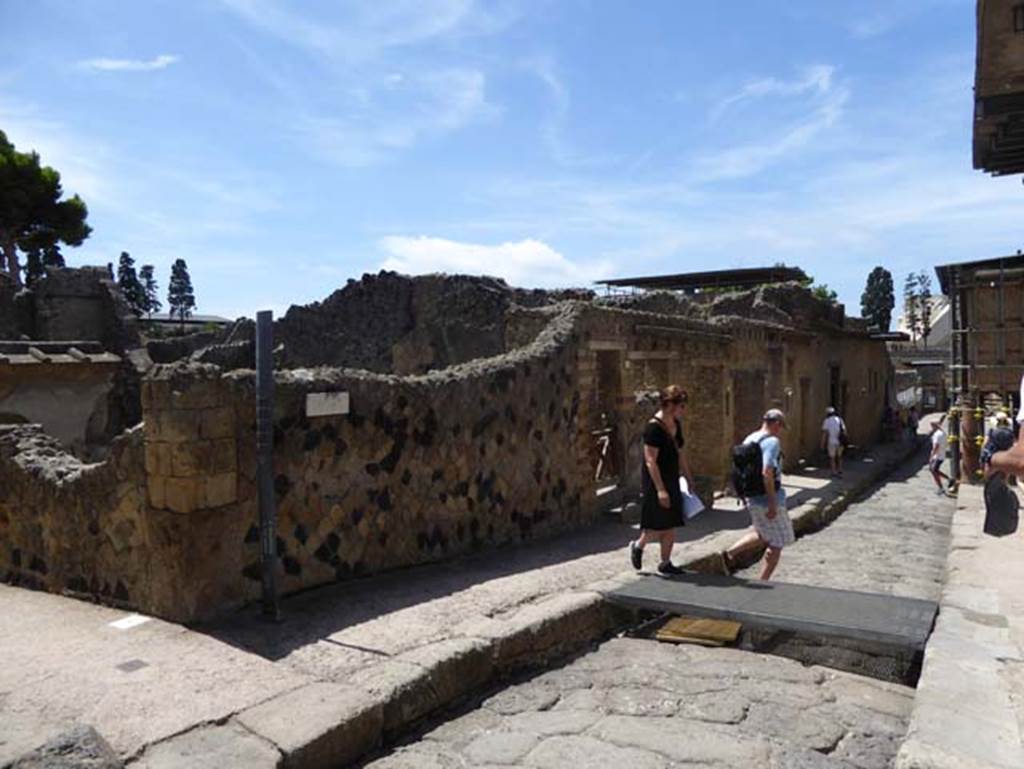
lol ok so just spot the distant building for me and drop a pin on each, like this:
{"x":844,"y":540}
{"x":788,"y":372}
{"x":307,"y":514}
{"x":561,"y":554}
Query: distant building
{"x":999,"y":87}
{"x":194,"y":322}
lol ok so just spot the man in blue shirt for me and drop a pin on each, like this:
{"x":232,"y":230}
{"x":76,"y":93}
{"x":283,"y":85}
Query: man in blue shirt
{"x":772,"y":527}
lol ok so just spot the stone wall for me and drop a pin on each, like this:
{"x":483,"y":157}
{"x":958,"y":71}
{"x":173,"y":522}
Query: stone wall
{"x":398,"y":324}
{"x":66,"y":526}
{"x":423,"y":466}
{"x":82,"y":303}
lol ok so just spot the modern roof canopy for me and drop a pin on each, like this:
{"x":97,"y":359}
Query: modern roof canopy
{"x":689,"y":281}
{"x":945,"y":271}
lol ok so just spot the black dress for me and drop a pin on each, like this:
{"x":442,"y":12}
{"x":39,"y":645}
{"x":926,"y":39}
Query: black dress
{"x":653,"y":515}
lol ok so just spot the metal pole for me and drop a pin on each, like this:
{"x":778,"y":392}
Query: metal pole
{"x":265,"y":460}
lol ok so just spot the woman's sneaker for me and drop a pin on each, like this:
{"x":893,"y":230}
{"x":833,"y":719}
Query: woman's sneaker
{"x":636,"y":555}
{"x":670,"y":568}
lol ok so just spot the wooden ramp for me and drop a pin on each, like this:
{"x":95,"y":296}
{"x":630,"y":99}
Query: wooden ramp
{"x":848,"y":614}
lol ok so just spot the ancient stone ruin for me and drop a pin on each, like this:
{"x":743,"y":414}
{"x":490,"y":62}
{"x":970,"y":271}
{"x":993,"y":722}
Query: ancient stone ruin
{"x":480,"y":415}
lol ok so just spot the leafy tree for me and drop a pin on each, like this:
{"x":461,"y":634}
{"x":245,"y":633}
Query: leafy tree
{"x":180,"y":298}
{"x":924,"y":298}
{"x":37,"y":262}
{"x":824,"y":293}
{"x":34,"y":269}
{"x":877,"y":301}
{"x":149,"y":290}
{"x":911,"y":317}
{"x":128,"y":281}
{"x":52,"y":257}
{"x":32,"y":215}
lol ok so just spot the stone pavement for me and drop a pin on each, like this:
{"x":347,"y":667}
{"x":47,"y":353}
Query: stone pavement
{"x":649,"y":704}
{"x":894,"y":540}
{"x":969,"y":708}
{"x":351,"y":664}
{"x":644,"y":705}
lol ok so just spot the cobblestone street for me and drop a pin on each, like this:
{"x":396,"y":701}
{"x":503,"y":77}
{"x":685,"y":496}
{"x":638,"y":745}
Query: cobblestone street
{"x":894,"y":540}
{"x":639,"y":703}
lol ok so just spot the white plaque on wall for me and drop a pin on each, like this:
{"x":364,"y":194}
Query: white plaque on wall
{"x":326,"y":404}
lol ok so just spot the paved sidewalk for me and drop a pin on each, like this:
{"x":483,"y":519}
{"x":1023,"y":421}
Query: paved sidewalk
{"x":351,"y":662}
{"x":969,"y":708}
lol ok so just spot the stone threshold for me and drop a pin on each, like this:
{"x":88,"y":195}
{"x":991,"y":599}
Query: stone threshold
{"x":326,"y":725}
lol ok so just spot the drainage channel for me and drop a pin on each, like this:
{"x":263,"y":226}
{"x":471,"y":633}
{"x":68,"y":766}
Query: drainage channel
{"x":881,"y":636}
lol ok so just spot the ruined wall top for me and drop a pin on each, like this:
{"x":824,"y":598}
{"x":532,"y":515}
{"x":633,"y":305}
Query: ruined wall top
{"x":70,"y":303}
{"x":391,"y":323}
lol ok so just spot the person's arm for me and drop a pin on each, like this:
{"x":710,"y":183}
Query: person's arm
{"x":651,"y":460}
{"x":769,"y":487}
{"x":824,"y":435}
{"x":769,"y":451}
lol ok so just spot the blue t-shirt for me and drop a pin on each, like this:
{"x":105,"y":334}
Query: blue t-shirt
{"x":771,"y":453}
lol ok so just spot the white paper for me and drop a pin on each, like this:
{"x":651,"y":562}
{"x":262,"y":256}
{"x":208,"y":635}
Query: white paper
{"x":692,"y":506}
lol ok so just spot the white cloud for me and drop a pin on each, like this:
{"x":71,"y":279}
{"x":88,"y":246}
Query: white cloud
{"x":529,"y":263}
{"x":129,"y":65}
{"x":553,"y":126}
{"x":816,"y":79}
{"x":361,"y":29}
{"x":411,"y":109}
{"x":818,"y":102}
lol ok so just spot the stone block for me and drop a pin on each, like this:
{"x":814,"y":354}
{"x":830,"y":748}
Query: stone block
{"x":197,"y":394}
{"x":219,"y":490}
{"x":158,"y":458}
{"x":318,"y":726}
{"x":212,"y":747}
{"x":223,"y":456}
{"x":176,"y":426}
{"x":182,"y":495}
{"x":78,"y":748}
{"x":187,"y":459}
{"x":404,"y":688}
{"x":217,"y":423}
{"x":156,"y":394}
{"x":156,"y":486}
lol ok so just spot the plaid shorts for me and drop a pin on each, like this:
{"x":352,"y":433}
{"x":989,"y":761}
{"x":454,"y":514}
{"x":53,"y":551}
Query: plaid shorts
{"x":777,"y":532}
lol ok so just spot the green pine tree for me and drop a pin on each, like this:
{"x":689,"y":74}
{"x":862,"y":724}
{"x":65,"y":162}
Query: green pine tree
{"x":911,"y":315}
{"x":149,"y":290}
{"x":924,"y":298}
{"x":877,"y":301}
{"x":180,"y":298}
{"x":128,"y":282}
{"x":32,"y":214}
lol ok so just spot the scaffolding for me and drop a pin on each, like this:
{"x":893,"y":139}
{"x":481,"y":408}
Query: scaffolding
{"x":976,"y":370}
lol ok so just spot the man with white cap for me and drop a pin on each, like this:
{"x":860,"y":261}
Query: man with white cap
{"x":772,"y":527}
{"x":832,"y":431}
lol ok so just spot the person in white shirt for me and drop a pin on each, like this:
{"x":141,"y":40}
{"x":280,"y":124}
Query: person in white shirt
{"x":938,"y":456}
{"x":832,"y":430}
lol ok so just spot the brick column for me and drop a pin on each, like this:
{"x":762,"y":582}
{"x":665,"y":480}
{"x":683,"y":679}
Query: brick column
{"x":191,"y":452}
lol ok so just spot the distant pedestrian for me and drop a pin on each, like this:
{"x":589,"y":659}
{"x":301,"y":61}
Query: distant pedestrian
{"x":663,"y":463}
{"x":833,"y":431}
{"x":938,"y":456}
{"x":912,"y":422}
{"x":772,"y":527}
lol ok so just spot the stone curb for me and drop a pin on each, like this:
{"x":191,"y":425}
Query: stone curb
{"x":963,"y":715}
{"x":323,"y":725}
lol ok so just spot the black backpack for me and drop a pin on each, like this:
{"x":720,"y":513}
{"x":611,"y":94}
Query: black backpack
{"x":748,"y":469}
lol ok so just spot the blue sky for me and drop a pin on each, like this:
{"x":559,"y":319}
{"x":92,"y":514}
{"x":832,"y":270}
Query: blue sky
{"x":282,"y":148}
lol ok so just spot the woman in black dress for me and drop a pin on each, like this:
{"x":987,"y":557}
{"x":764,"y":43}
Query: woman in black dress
{"x":664,"y":463}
